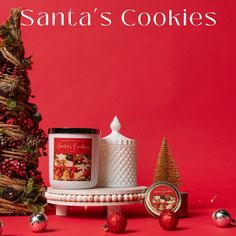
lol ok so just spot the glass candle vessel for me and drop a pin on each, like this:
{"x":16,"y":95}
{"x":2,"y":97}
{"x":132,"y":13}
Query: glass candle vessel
{"x":73,"y":157}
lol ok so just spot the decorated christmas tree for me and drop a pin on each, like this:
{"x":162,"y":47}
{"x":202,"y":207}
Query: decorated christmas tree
{"x":166,"y":169}
{"x":22,"y":142}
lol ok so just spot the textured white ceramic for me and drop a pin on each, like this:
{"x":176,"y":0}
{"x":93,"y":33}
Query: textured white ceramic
{"x":117,"y":164}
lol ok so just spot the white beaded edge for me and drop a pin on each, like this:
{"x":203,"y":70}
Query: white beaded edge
{"x":95,"y":198}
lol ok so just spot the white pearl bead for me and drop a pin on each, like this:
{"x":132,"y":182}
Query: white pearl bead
{"x":102,"y":198}
{"x":114,"y":198}
{"x":119,"y":197}
{"x":90,"y":198}
{"x":96,"y":198}
{"x":63,"y":197}
{"x":73,"y":198}
{"x":108,"y":198}
{"x":79,"y":198}
{"x":139,"y":196}
{"x":126,"y":197}
{"x":131,"y":197}
{"x":84,"y":198}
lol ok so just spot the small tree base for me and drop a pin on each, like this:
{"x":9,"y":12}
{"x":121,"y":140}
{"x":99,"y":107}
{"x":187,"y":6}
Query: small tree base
{"x":183,"y":211}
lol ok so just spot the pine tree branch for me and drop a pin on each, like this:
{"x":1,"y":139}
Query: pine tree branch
{"x":14,"y":28}
{"x":8,"y":56}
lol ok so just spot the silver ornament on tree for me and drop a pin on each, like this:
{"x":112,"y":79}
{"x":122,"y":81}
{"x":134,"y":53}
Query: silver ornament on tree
{"x":222,"y":218}
{"x":38,"y":222}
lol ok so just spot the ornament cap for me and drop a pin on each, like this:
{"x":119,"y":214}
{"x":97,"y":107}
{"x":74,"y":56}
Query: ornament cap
{"x":115,"y":137}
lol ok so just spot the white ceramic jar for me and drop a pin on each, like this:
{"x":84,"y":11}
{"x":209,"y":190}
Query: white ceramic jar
{"x":73,"y":157}
{"x":117,"y":157}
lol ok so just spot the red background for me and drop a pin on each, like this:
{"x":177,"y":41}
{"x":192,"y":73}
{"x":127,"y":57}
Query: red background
{"x":177,"y":82}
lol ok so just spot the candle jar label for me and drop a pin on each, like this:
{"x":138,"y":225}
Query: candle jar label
{"x":162,"y":196}
{"x":72,"y":159}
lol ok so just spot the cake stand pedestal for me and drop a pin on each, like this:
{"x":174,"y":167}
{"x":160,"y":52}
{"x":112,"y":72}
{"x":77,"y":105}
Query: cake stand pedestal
{"x":113,"y":198}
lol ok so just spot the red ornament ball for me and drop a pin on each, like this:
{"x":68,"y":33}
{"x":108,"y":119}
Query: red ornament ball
{"x":168,"y":220}
{"x":116,"y":223}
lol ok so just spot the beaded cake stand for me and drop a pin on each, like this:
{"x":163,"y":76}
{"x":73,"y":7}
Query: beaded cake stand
{"x":113,"y":198}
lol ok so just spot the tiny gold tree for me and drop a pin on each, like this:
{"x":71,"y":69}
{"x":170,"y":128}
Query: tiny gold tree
{"x":166,"y":169}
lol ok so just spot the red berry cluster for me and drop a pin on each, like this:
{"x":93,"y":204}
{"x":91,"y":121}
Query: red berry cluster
{"x":13,"y":168}
{"x":7,"y":68}
{"x":20,"y":120}
{"x":43,"y":138}
{"x":37,"y":175}
{"x":14,"y":71}
{"x":25,"y":122}
{"x":11,"y":121}
{"x":12,"y":143}
{"x":2,"y":118}
{"x":3,"y":69}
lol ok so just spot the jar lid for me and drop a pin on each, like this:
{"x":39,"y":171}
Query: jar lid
{"x":162,"y":196}
{"x":73,"y":131}
{"x":115,"y":137}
